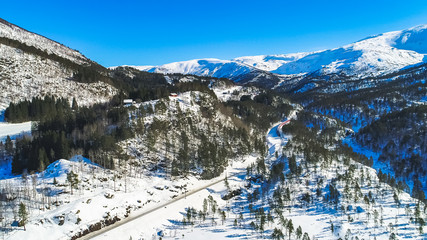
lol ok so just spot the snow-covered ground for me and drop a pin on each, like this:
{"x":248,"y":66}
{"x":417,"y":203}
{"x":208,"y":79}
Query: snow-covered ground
{"x":14,"y":129}
{"x":14,"y":32}
{"x":96,"y":199}
{"x":149,"y":225}
{"x":25,"y":74}
{"x":102,"y":195}
{"x":107,"y":194}
{"x":375,"y":220}
{"x":166,"y":221}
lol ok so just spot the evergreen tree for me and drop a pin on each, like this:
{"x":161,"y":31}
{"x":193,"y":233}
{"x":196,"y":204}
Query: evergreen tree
{"x":305,"y":237}
{"x":42,"y":159}
{"x":73,"y":180}
{"x":299,"y":232}
{"x":277,"y":234}
{"x":9,"y":146}
{"x":290,"y":227}
{"x":74,"y":106}
{"x":23,"y":215}
{"x":293,"y":164}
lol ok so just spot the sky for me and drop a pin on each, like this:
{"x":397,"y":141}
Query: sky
{"x":126,"y":32}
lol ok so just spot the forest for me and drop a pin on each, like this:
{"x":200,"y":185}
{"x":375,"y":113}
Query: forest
{"x":63,"y":129}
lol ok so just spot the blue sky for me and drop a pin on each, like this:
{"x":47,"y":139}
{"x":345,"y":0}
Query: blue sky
{"x":156,"y":32}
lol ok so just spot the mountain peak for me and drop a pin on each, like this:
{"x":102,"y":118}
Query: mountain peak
{"x":372,"y":56}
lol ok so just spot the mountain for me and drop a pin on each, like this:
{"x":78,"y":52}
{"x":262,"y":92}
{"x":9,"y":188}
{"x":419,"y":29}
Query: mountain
{"x":211,"y":67}
{"x":373,"y":56}
{"x":32,"y":65}
{"x":337,"y":150}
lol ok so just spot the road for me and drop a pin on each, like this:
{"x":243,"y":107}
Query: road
{"x":161,"y":206}
{"x":155,"y":208}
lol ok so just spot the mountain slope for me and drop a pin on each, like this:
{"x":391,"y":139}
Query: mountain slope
{"x":13,"y":32}
{"x":377,"y":55}
{"x":238,"y":72}
{"x":373,"y":56}
{"x":32,"y":65}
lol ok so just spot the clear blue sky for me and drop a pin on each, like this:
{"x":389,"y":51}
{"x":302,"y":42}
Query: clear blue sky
{"x":157,"y":32}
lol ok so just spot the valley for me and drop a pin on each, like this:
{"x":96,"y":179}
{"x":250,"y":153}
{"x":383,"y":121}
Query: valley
{"x":327,"y":144}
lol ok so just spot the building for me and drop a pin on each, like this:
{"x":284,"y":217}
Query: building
{"x":127,"y":102}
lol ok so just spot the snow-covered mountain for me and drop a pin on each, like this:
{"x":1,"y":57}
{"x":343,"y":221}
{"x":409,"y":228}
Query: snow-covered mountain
{"x":203,"y":67}
{"x":13,"y":32}
{"x":211,"y":67}
{"x":373,"y":56}
{"x":32,"y":65}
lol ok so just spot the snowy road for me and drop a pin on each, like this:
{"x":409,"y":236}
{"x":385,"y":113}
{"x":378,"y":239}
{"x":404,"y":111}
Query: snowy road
{"x":163,"y":211}
{"x":161,"y":215}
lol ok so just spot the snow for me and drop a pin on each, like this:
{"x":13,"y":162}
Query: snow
{"x":138,"y":190}
{"x":371,"y":56}
{"x":14,"y":32}
{"x":377,"y":55}
{"x":25,"y":76}
{"x":150,"y":224}
{"x":202,"y":67}
{"x":234,"y":93}
{"x":90,"y":204}
{"x":13,"y":129}
{"x":149,"y":192}
{"x":270,"y":62}
{"x":315,"y":220}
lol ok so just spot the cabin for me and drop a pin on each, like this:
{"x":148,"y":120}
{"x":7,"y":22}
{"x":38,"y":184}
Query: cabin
{"x":127,"y":102}
{"x":174,"y":95}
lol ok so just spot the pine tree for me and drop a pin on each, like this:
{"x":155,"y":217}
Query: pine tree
{"x":72,"y":178}
{"x":23,"y":215}
{"x":290,"y":227}
{"x":299,"y":232}
{"x":9,"y":146}
{"x":293,"y":164}
{"x":305,"y":237}
{"x":74,"y":105}
{"x":43,"y":160}
{"x":277,"y":234}
{"x":392,"y":236}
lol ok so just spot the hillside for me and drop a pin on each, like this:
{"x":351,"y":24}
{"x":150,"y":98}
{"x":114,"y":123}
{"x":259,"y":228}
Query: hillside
{"x":153,"y":151}
{"x":32,"y":65}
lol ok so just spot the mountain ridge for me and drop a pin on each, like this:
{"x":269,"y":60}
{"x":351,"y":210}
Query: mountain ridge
{"x":32,"y":65}
{"x":372,"y":56}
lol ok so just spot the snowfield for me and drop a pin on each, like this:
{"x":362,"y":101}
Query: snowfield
{"x":25,"y":76}
{"x":373,"y":56}
{"x":202,"y":67}
{"x":13,"y":129}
